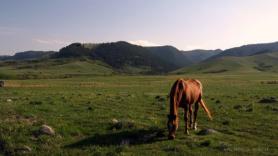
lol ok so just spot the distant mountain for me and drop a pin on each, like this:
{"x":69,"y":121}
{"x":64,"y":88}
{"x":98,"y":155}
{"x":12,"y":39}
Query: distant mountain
{"x":73,"y":50}
{"x":248,"y":50}
{"x":171,"y":55}
{"x":122,"y":56}
{"x":263,"y":62}
{"x":28,"y":55}
{"x":198,"y":55}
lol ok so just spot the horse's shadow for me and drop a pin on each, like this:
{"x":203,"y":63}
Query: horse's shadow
{"x":129,"y":137}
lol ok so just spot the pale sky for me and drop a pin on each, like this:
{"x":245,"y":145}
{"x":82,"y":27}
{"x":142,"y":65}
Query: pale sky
{"x":185,"y":24}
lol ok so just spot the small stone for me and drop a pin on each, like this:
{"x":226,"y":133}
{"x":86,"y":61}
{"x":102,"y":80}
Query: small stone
{"x":207,"y":131}
{"x":24,"y":149}
{"x":125,"y":142}
{"x":114,"y":121}
{"x":9,"y":100}
{"x":222,"y":147}
{"x":45,"y":129}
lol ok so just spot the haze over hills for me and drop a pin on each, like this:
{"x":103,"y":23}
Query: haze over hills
{"x":123,"y":57}
{"x":199,"y":55}
{"x":28,"y":55}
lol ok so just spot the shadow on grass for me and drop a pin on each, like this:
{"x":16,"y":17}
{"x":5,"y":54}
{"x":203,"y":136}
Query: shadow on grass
{"x":130,"y":137}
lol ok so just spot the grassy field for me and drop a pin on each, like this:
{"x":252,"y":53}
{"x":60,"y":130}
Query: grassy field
{"x":53,"y":69}
{"x":83,"y":111}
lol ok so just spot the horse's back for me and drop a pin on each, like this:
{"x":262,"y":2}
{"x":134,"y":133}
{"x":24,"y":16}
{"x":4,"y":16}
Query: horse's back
{"x":193,"y":90}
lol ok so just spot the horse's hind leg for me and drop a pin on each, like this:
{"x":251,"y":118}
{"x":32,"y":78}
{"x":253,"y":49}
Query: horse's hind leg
{"x":186,"y":119}
{"x":190,"y":116}
{"x":194,"y":126}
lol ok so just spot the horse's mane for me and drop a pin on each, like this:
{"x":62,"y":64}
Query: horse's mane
{"x":176,"y":95}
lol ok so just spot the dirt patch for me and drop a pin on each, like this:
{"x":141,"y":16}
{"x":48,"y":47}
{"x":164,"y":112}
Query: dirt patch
{"x":207,"y":131}
{"x":205,"y":143}
{"x":20,"y":85}
{"x":28,"y":120}
{"x":270,"y":82}
{"x":127,"y":138}
{"x":215,"y":71}
{"x":246,"y":108}
{"x":159,"y":98}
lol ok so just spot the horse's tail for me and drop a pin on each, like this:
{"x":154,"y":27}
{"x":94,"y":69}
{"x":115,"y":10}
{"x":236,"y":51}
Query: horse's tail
{"x":205,"y":109}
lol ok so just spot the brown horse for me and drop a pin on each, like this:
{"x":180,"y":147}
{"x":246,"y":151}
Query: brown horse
{"x":185,"y":93}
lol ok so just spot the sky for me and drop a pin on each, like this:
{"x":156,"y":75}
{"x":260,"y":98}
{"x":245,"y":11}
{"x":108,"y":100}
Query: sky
{"x":185,"y":24}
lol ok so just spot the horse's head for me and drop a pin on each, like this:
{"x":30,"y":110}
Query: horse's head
{"x":172,"y":125}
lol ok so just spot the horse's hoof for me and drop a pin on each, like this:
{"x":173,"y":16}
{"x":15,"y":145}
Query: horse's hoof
{"x":195,"y":126}
{"x":171,"y":137}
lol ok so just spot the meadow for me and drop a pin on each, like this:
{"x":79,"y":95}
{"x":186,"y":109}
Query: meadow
{"x":127,"y":115}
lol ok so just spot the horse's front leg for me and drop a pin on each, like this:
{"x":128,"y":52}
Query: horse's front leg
{"x":186,"y":119}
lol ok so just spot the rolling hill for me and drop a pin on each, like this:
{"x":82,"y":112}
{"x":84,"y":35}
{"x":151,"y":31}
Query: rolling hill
{"x":53,"y":68}
{"x":265,"y":62}
{"x":171,"y":55}
{"x":126,"y":58}
{"x":248,"y":50}
{"x":121,"y":56}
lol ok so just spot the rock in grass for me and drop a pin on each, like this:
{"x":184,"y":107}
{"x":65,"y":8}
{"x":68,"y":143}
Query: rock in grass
{"x":207,"y":131}
{"x":125,"y":142}
{"x":24,"y":149}
{"x":114,"y":121}
{"x":45,"y":129}
{"x":9,"y":100}
{"x":125,"y":124}
{"x":2,"y":83}
{"x":222,"y":147}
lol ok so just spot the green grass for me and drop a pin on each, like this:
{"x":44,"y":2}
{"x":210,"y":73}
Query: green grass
{"x":81,"y":111}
